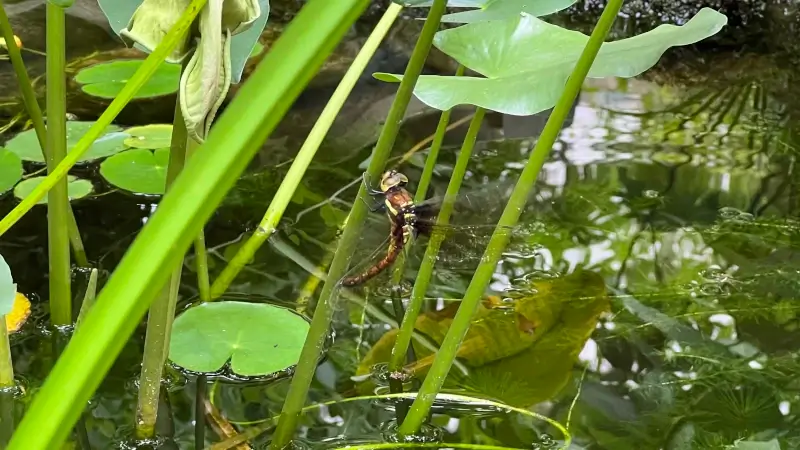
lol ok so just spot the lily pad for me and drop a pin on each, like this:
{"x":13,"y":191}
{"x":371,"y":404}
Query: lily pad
{"x":149,"y":136}
{"x":10,"y":170}
{"x":76,"y":188}
{"x":258,"y":338}
{"x":106,"y":80}
{"x":527,"y":61}
{"x":139,"y":170}
{"x":26,"y":145}
{"x":499,"y":9}
{"x":8,"y":289}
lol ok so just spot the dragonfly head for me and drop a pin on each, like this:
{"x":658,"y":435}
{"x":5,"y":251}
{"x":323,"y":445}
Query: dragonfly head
{"x":391,"y":179}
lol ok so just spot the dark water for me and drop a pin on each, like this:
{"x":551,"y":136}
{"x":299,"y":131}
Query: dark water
{"x":683,"y":200}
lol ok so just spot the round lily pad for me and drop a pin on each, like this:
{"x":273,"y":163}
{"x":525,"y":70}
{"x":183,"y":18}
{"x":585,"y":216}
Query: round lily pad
{"x":106,"y":80}
{"x":10,"y":170}
{"x":26,"y":145}
{"x":150,"y":136}
{"x":76,"y":188}
{"x":140,"y":170}
{"x":258,"y":338}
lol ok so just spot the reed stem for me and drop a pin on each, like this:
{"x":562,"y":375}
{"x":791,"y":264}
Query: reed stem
{"x":483,"y":275}
{"x":6,"y":364}
{"x":200,"y":252}
{"x":309,"y":356}
{"x":57,"y":200}
{"x":295,"y":174}
{"x":88,"y":298}
{"x":7,"y":394}
{"x":35,"y":113}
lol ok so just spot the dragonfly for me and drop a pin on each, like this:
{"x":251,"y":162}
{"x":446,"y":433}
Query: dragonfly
{"x":462,"y":243}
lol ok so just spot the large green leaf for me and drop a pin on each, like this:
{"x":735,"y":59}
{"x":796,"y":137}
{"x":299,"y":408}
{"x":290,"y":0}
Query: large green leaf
{"x":526,"y":61}
{"x":119,"y":12}
{"x":10,"y":169}
{"x":499,"y":9}
{"x":257,"y":338}
{"x":140,"y":170}
{"x":105,"y":80}
{"x":26,"y":145}
{"x":8,"y":289}
{"x":76,"y":188}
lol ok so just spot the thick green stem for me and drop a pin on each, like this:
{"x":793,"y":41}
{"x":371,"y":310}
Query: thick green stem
{"x":483,"y":275}
{"x":200,"y":253}
{"x":309,"y":356}
{"x":425,"y":272}
{"x":57,"y":199}
{"x":6,"y":366}
{"x":286,"y":190}
{"x":162,"y":312}
{"x":7,"y":394}
{"x":35,"y":113}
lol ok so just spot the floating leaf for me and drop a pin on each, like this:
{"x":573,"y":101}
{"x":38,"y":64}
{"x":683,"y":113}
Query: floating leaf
{"x":527,"y":61}
{"x":499,"y":9}
{"x":8,"y":289}
{"x":106,"y":80}
{"x":757,"y":445}
{"x":140,"y":170}
{"x":19,"y":313}
{"x":10,"y":169}
{"x":257,"y":338}
{"x":149,"y":136}
{"x":76,"y":188}
{"x":26,"y":145}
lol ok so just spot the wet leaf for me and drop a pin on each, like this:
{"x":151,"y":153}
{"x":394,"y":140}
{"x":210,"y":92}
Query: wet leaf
{"x":754,"y":445}
{"x":106,"y":80}
{"x":258,"y":339}
{"x":10,"y":169}
{"x":150,"y":136}
{"x":76,"y":188}
{"x":8,"y":289}
{"x":140,"y":170}
{"x":527,"y":61}
{"x":26,"y":145}
{"x":19,"y":313}
{"x":499,"y":9}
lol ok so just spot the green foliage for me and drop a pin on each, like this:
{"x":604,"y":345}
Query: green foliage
{"x":150,"y":136}
{"x":26,"y":144}
{"x":76,"y":188}
{"x":8,"y":289}
{"x":258,"y":339}
{"x":141,"y":170}
{"x":106,"y":80}
{"x":10,"y":169}
{"x":497,"y":9}
{"x":527,"y":61}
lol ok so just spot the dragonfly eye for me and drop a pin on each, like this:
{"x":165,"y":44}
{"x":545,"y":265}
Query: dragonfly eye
{"x":391,"y":179}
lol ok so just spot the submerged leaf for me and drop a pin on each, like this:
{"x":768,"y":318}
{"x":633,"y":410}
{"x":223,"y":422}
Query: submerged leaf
{"x":527,"y":61}
{"x":26,"y":144}
{"x":150,"y":136}
{"x":257,"y":338}
{"x":499,"y":9}
{"x":8,"y":289}
{"x":76,"y":188}
{"x":106,"y":80}
{"x":10,"y":169}
{"x":140,"y":170}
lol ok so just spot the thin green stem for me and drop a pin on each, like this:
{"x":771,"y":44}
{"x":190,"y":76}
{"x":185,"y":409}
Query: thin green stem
{"x":139,"y":78}
{"x":35,"y":113}
{"x":200,"y":253}
{"x":425,"y":272}
{"x":57,"y":200}
{"x":7,"y":395}
{"x":309,"y":356}
{"x":162,"y":312}
{"x":88,"y":298}
{"x":483,"y":275}
{"x":295,"y":174}
{"x":6,"y":365}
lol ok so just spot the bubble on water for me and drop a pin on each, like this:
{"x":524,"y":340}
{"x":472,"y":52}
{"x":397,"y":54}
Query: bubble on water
{"x":427,"y":434}
{"x":650,"y":193}
{"x":545,"y":441}
{"x":729,"y":214}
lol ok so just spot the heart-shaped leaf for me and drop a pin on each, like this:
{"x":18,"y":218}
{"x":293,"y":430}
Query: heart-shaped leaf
{"x":76,"y":188}
{"x":8,"y":289}
{"x":527,"y":61}
{"x":499,"y":9}
{"x":26,"y":145}
{"x":258,"y":338}
{"x":149,"y":136}
{"x":106,"y":80}
{"x":140,"y":170}
{"x":10,"y":169}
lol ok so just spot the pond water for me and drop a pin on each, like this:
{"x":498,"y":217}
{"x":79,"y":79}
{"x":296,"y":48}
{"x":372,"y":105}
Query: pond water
{"x":662,"y":228}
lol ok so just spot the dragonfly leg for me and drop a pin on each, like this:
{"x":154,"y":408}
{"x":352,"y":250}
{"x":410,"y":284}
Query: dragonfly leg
{"x":368,"y":186}
{"x":375,"y":206}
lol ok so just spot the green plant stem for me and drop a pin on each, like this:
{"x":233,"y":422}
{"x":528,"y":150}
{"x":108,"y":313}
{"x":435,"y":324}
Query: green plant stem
{"x":309,"y":356}
{"x":35,"y":113}
{"x":145,"y":71}
{"x":483,"y":275}
{"x":88,"y":298}
{"x":57,"y":200}
{"x":295,"y":174}
{"x":7,"y":395}
{"x":6,"y":364}
{"x":236,"y":136}
{"x":200,"y":252}
{"x":162,"y":312}
{"x":425,"y":272}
